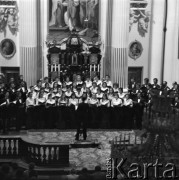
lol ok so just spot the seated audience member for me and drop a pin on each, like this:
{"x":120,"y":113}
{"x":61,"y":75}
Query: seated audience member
{"x":31,"y":172}
{"x":121,"y":94}
{"x":84,"y":175}
{"x":116,"y":88}
{"x":108,"y":81}
{"x":72,"y":175}
{"x":94,"y":88}
{"x":127,"y":101}
{"x":50,"y":101}
{"x":116,"y":101}
{"x":104,"y":101}
{"x":98,"y":174}
{"x":88,"y":82}
{"x":104,"y":88}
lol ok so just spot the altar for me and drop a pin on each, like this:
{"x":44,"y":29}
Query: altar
{"x":73,"y":56}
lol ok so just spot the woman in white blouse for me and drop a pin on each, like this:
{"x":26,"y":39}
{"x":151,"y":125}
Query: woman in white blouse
{"x":73,"y":101}
{"x":121,"y":94}
{"x":104,"y":101}
{"x":94,"y":88}
{"x":127,"y":101}
{"x":116,"y":101}
{"x":50,"y":101}
{"x":93,"y":101}
{"x":41,"y":99}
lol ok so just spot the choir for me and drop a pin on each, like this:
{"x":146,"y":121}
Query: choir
{"x":98,"y":93}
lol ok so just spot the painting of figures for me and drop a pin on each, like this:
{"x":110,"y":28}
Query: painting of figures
{"x":68,"y":15}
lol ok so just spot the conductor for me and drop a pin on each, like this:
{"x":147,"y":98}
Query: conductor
{"x":82,"y":115}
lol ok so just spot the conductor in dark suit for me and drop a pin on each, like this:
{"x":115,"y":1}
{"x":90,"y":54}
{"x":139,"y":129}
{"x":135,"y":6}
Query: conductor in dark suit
{"x":82,"y":115}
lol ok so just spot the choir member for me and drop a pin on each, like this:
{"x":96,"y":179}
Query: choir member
{"x":104,"y":88}
{"x":63,"y":100}
{"x":94,"y":88}
{"x":88,"y":82}
{"x":84,"y":88}
{"x":121,"y":94}
{"x":110,"y":94}
{"x":12,"y":92}
{"x":97,"y":81}
{"x":93,"y":101}
{"x":68,"y":93}
{"x":155,"y":84}
{"x":127,"y":101}
{"x":68,"y":82}
{"x":104,"y":101}
{"x":40,"y":100}
{"x":55,"y":87}
{"x":45,"y":81}
{"x":73,"y":101}
{"x":116,"y":88}
{"x":116,"y":101}
{"x":50,"y":101}
{"x":64,"y":87}
{"x":30,"y":101}
{"x":108,"y":81}
{"x":99,"y":94}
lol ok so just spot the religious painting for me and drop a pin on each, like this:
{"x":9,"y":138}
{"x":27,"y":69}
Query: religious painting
{"x":66,"y":16}
{"x":135,"y":50}
{"x":7,"y":48}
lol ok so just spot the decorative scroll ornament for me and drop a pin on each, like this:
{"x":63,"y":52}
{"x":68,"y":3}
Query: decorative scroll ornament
{"x":135,"y":49}
{"x":9,"y":18}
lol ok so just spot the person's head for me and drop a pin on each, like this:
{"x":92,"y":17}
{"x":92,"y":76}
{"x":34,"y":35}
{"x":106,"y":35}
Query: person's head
{"x":84,"y":85}
{"x":11,"y":79}
{"x":155,"y":80}
{"x":107,"y":78}
{"x":50,"y":96}
{"x":164,"y":83}
{"x":55,"y":85}
{"x":39,"y":83}
{"x":67,"y":79}
{"x":116,"y":96}
{"x":104,"y":96}
{"x":97,"y":168}
{"x":64,"y":85}
{"x":57,"y":79}
{"x":21,"y":77}
{"x":78,"y":78}
{"x":174,"y":83}
{"x":146,"y":80}
{"x":31,"y":88}
{"x":87,"y":90}
{"x":84,"y":171}
{"x":30,"y":94}
{"x":111,"y":91}
{"x":120,"y":90}
{"x":41,"y":93}
{"x":176,"y":98}
{"x":99,"y":91}
{"x":137,"y":86}
{"x":7,"y":95}
{"x":96,"y":78}
{"x":132,"y":80}
{"x":19,"y":94}
{"x":104,"y":84}
{"x":127,"y":96}
{"x":115,"y":85}
{"x":87,"y":78}
{"x":94,"y":84}
{"x":46,"y":80}
{"x":12,"y":85}
{"x":73,"y":96}
{"x":47,"y":86}
{"x":22,"y":84}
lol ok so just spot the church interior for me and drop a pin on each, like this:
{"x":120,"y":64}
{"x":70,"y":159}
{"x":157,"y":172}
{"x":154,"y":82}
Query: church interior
{"x":89,"y":89}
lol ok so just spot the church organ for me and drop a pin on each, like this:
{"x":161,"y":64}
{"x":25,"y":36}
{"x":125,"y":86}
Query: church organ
{"x":76,"y":58}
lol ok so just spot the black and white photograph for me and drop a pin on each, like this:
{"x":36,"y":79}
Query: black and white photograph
{"x":89,"y":89}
